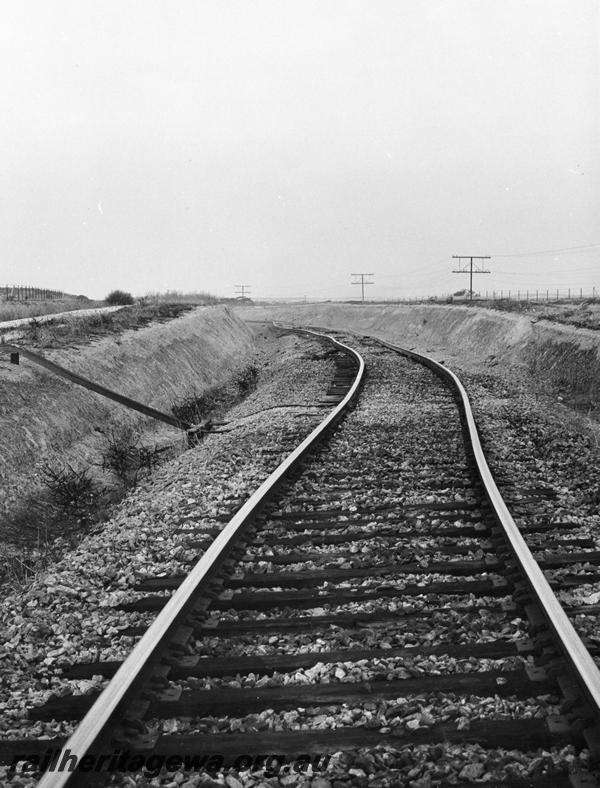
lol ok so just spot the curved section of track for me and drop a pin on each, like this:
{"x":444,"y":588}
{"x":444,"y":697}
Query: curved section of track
{"x":374,"y":596}
{"x":582,"y":663}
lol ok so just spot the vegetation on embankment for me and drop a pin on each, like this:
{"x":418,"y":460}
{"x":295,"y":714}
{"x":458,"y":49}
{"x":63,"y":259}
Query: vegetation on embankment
{"x":580,"y":313}
{"x":198,"y":298}
{"x":17,"y":310}
{"x":77,"y":329}
{"x":53,"y":430}
{"x":119,"y":298}
{"x":212,"y":402}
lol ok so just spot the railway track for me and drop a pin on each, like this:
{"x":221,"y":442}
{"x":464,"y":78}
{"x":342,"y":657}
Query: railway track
{"x":371,"y":616}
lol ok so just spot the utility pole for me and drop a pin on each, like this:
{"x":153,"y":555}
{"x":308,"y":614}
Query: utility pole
{"x":470,"y":270}
{"x":362,"y":283}
{"x":242,"y":290}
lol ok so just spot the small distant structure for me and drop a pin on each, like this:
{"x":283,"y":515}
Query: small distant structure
{"x":242,"y":291}
{"x":465,"y":295}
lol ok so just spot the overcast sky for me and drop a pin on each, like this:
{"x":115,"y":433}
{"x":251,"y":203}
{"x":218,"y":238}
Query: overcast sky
{"x":285,"y":144}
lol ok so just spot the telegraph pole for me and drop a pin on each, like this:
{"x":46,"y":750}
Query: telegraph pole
{"x":362,"y":283}
{"x":242,"y":290}
{"x":470,"y":270}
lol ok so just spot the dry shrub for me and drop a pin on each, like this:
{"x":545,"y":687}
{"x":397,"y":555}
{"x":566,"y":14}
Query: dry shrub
{"x":69,"y":489}
{"x":65,"y":505}
{"x":126,"y":456}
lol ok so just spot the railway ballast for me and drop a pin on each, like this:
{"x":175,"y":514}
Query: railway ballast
{"x":377,"y":618}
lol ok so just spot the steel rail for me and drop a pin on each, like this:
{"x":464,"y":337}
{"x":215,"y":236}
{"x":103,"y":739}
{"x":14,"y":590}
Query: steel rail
{"x":571,"y":644}
{"x":79,"y":380}
{"x":574,"y":650}
{"x":93,"y":726}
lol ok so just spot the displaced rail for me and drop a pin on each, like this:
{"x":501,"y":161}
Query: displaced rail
{"x":374,"y":598}
{"x":17,"y":350}
{"x":582,"y":664}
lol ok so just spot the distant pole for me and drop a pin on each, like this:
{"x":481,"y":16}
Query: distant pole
{"x":242,"y":290}
{"x":362,"y":283}
{"x":470,"y":270}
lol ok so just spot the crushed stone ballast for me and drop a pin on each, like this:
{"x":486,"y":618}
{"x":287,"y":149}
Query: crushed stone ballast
{"x":377,"y":564}
{"x":155,"y":641}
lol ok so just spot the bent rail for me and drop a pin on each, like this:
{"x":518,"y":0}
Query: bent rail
{"x":96,"y":387}
{"x":571,"y":644}
{"x":136,"y":667}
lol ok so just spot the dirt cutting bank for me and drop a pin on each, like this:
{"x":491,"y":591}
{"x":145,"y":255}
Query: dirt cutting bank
{"x":558,"y":360}
{"x":43,"y":416}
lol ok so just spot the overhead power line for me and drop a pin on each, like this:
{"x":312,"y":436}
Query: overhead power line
{"x":579,"y":271}
{"x":242,"y":290}
{"x":550,"y":251}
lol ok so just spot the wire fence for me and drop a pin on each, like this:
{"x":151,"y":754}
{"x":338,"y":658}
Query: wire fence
{"x":553,"y":294}
{"x":24,"y":293}
{"x":533,"y":295}
{"x":540,"y":295}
